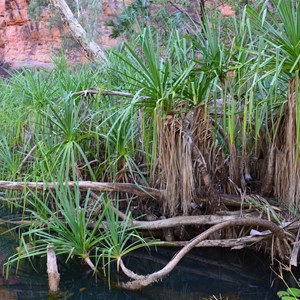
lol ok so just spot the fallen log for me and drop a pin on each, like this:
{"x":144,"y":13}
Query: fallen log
{"x":129,"y":188}
{"x":84,"y":186}
{"x":92,"y":49}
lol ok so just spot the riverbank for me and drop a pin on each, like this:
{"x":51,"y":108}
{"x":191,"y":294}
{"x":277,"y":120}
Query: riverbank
{"x":203,"y":273}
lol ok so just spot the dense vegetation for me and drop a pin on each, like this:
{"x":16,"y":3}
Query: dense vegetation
{"x":168,"y":127}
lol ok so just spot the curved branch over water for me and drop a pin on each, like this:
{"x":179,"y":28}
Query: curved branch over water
{"x":140,"y":281}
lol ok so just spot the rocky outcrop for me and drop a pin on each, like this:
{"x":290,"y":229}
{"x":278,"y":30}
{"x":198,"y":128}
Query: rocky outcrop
{"x":25,"y":42}
{"x":22,"y":41}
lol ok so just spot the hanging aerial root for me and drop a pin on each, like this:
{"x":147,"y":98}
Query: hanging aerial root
{"x":140,"y":281}
{"x":88,"y":261}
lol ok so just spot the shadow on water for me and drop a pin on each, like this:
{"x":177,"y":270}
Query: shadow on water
{"x":202,"y":273}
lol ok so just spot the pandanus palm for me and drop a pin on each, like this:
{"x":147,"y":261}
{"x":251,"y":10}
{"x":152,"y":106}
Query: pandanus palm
{"x":156,"y":72}
{"x":226,"y":67}
{"x":281,"y":30}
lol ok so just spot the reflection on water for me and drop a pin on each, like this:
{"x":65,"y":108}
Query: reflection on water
{"x":204,"y":272}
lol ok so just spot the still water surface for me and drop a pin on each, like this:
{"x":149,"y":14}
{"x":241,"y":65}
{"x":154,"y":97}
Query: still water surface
{"x":204,"y":272}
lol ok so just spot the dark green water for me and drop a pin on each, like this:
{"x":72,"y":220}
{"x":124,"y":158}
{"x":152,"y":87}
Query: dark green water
{"x":202,"y":273}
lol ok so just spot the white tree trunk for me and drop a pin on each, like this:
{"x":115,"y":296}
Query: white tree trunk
{"x":91,"y":48}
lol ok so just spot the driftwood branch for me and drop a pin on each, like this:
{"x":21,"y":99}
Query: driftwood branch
{"x":140,"y":281}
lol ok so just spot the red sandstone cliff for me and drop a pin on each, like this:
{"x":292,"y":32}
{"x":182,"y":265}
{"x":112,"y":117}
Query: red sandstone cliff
{"x":24,"y":42}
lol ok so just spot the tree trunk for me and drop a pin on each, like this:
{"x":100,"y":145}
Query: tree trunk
{"x":91,"y":48}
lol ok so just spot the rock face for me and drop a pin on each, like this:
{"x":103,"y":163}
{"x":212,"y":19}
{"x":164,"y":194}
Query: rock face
{"x":25,"y":42}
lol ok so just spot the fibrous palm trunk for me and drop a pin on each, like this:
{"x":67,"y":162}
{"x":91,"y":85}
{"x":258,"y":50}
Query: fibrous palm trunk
{"x":188,"y":160}
{"x":175,"y":160}
{"x":287,"y":169}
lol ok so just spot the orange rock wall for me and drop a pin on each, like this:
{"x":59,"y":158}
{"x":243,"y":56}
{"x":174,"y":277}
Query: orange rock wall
{"x":24,"y":42}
